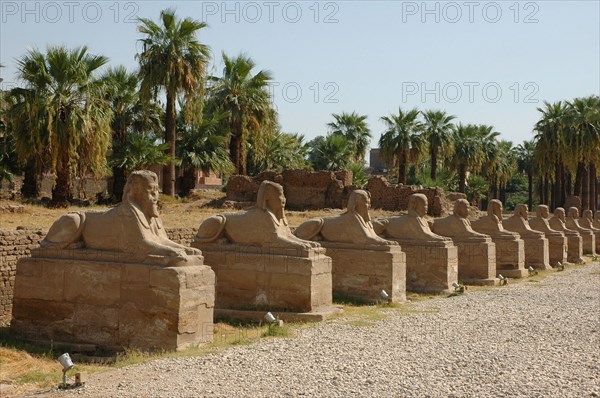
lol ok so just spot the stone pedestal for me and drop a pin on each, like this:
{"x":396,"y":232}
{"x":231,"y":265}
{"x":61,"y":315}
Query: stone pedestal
{"x":589,"y":242}
{"x":477,"y":262}
{"x":574,"y":248}
{"x":510,"y":257}
{"x":100,"y":298}
{"x":557,"y":248}
{"x":431,"y":266}
{"x":536,"y":249}
{"x":362,"y":271}
{"x":262,"y":278}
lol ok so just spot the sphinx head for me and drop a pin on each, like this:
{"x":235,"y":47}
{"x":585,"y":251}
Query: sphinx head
{"x":542,"y":211}
{"x":559,"y":213}
{"x":360,"y":202}
{"x":587,"y":214}
{"x":495,"y":208}
{"x":573,"y":213}
{"x":461,"y":208}
{"x":270,"y":197}
{"x":522,"y":211}
{"x":417,"y":205}
{"x":141,"y":191}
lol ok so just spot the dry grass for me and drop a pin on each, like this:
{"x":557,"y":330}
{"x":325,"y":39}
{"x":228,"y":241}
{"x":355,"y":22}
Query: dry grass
{"x":186,"y":213}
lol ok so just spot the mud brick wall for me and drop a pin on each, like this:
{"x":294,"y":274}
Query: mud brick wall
{"x":395,"y":197}
{"x":15,"y":244}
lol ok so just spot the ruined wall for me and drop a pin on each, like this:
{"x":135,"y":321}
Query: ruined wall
{"x":15,"y":244}
{"x":323,"y":189}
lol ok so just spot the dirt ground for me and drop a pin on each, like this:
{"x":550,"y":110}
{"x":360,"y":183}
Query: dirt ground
{"x":185,"y":213}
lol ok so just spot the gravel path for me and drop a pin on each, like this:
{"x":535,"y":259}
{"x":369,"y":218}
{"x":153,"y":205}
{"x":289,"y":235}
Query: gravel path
{"x":531,"y":339}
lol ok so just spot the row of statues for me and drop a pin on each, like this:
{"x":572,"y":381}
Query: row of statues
{"x":120,"y":261}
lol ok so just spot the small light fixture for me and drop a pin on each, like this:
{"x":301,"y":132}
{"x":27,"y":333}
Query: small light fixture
{"x":503,"y":279}
{"x":384,"y":295}
{"x":458,"y":288}
{"x":67,"y":363}
{"x":531,"y":271}
{"x":270,"y":318}
{"x":456,"y":285}
{"x":560,"y":266}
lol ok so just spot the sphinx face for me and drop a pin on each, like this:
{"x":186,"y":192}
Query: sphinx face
{"x":462,"y":210}
{"x":149,"y":202}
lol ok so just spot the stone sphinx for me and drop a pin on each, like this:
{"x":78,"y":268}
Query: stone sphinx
{"x":510,"y":248}
{"x":263,"y":225}
{"x":114,"y":279}
{"x":587,"y":235}
{"x":476,"y":251}
{"x":353,"y":226}
{"x":587,"y":221}
{"x":431,"y":259}
{"x":536,"y":244}
{"x":133,"y":227}
{"x":557,"y":242}
{"x":363,"y":263}
{"x":574,"y":239}
{"x":261,"y":265}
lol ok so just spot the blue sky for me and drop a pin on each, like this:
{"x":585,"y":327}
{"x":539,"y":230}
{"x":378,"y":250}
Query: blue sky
{"x":483,"y":61}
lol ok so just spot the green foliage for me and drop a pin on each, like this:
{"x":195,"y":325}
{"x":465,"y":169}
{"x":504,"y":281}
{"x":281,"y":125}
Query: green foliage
{"x":283,"y":151}
{"x":354,"y":128}
{"x":514,"y":199}
{"x":477,"y":188}
{"x":139,"y":152}
{"x":359,"y":174}
{"x":517,"y":183}
{"x":331,"y":153}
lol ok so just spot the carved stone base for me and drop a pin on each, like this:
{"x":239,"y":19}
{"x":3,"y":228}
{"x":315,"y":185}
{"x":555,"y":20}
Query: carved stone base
{"x":574,"y":248}
{"x":557,"y":248}
{"x":597,"y":239}
{"x":536,"y":252}
{"x":477,"y":262}
{"x":510,"y":257}
{"x":589,"y":242}
{"x":254,"y":278}
{"x":113,"y":305}
{"x":362,"y":272}
{"x":430,"y":266}
{"x":319,"y":315}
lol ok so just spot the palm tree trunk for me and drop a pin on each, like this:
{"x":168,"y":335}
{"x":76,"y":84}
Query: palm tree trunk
{"x":402,"y":169}
{"x":503,"y":193}
{"x":433,"y":164}
{"x":462,"y":178}
{"x":168,"y":183}
{"x":578,"y":179}
{"x":563,"y":185}
{"x":118,"y":183}
{"x":547,"y":190}
{"x":235,"y":146}
{"x":541,"y":189}
{"x":585,"y":189}
{"x":530,"y":190}
{"x":556,"y":193}
{"x":63,"y":188}
{"x":592,"y":185}
{"x":31,"y":185}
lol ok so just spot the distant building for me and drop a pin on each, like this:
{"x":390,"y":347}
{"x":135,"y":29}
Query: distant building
{"x":376,"y":163}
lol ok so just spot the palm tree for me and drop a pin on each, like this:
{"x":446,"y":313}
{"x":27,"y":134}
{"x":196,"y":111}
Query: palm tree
{"x":402,"y":141}
{"x":283,"y":151}
{"x":61,"y":117}
{"x":202,"y":147}
{"x":438,"y":129}
{"x":246,"y":100}
{"x":468,"y":152}
{"x":526,"y":164}
{"x":354,"y":127}
{"x":330,"y":153}
{"x":130,"y":118}
{"x":172,"y":59}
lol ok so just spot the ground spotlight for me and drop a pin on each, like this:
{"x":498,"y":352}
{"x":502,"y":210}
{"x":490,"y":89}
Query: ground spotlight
{"x":560,"y":266}
{"x":503,"y":279}
{"x":458,"y":287}
{"x":270,"y":318}
{"x":67,"y":363}
{"x":531,"y":271}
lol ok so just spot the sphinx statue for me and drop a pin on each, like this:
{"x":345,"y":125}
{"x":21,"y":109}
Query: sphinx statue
{"x":262,"y":225}
{"x":476,"y":251}
{"x":431,"y":259}
{"x":133,"y":227}
{"x":587,"y":235}
{"x":353,"y":226}
{"x":574,"y":239}
{"x":587,"y":221}
{"x":412,"y":226}
{"x":557,"y":240}
{"x":510,"y":248}
{"x":536,"y":245}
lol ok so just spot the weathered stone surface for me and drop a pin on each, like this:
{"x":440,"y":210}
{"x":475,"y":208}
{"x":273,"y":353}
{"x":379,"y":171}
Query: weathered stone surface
{"x":112,"y":304}
{"x":574,"y":240}
{"x":431,"y":260}
{"x":587,"y":236}
{"x":557,"y":241}
{"x":587,"y":221}
{"x":257,"y":278}
{"x":362,"y":272}
{"x":476,"y":252}
{"x":510,"y":248}
{"x":536,"y":245}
